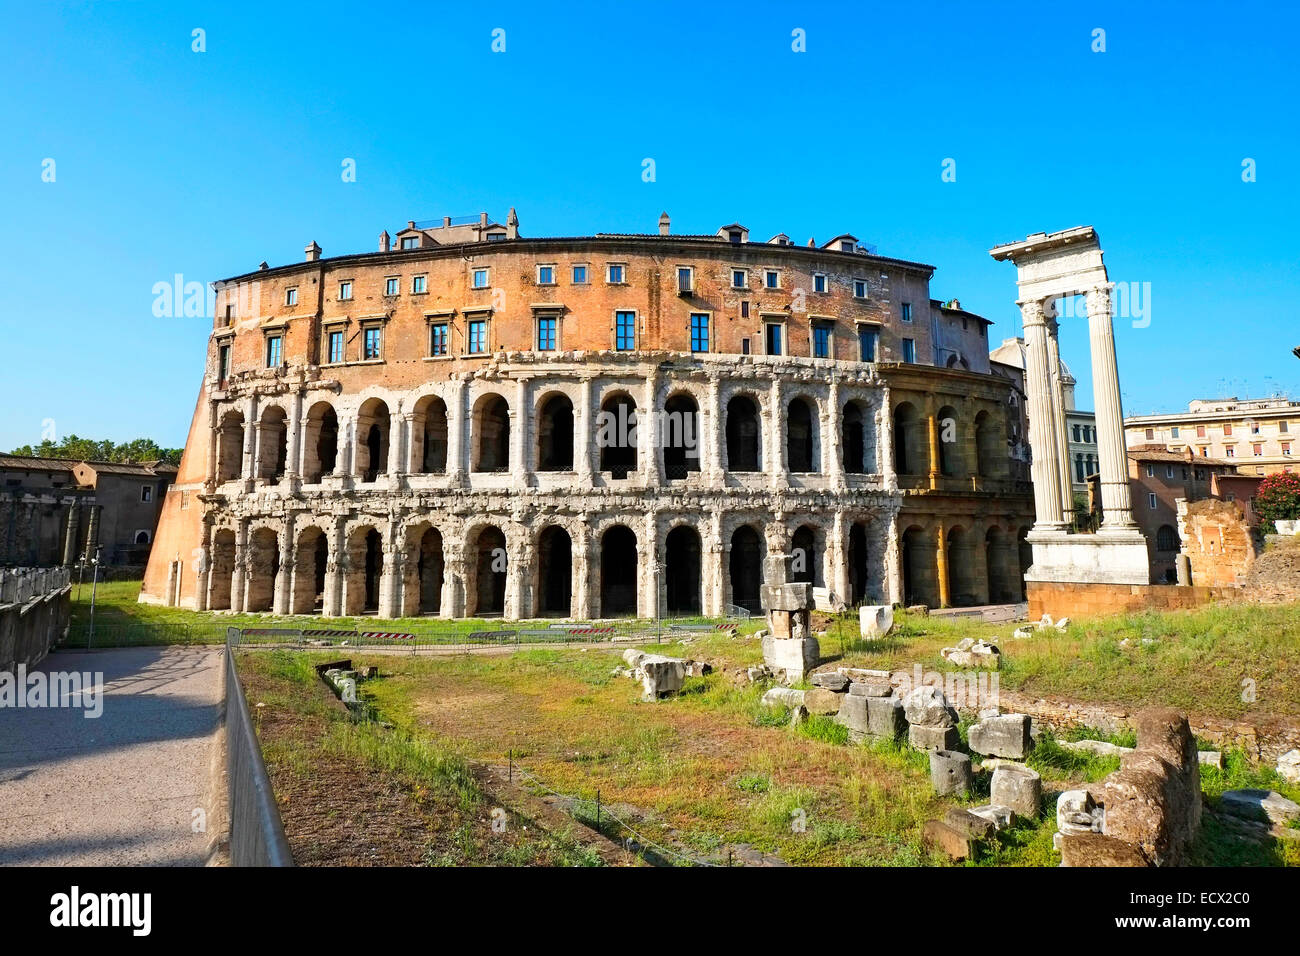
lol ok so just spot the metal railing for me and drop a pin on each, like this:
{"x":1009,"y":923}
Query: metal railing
{"x":256,"y":831}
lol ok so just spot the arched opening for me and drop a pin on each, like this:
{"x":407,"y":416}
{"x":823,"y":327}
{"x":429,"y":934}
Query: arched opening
{"x":555,"y":572}
{"x":681,"y":437}
{"x":682,"y":570}
{"x":965,"y":587}
{"x":742,"y":435}
{"x":1166,"y":538}
{"x":857,"y":564}
{"x":221,"y":569}
{"x":491,"y":426}
{"x":801,"y":437}
{"x":365,"y":566}
{"x":854,"y":428}
{"x":372,"y":439}
{"x":320,"y":442}
{"x":274,"y":452}
{"x":908,"y":459}
{"x":805,"y":557}
{"x":310,"y":561}
{"x":1002,"y":588}
{"x":618,"y":572}
{"x":263,"y":566}
{"x":949,"y":442}
{"x":429,"y":572}
{"x":990,"y":446}
{"x":1026,"y":557}
{"x":429,"y":435}
{"x":745,"y":567}
{"x":920,"y":573}
{"x":555,"y":434}
{"x":490,"y":566}
{"x":616,"y":435}
{"x":142,"y":537}
{"x":230,"y":446}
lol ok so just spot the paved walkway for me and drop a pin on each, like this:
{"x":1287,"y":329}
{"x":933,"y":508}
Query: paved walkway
{"x":119,"y":789}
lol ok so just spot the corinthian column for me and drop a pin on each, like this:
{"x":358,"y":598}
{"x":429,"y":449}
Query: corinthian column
{"x":1116,"y":502}
{"x":1058,"y":415}
{"x":1046,"y":465}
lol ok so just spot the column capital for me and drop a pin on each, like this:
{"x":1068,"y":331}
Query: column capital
{"x":1097,"y":300}
{"x":1032,"y":311}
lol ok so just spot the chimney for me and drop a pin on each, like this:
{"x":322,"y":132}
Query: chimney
{"x":384,"y":240}
{"x":812,"y":243}
{"x":313,"y":251}
{"x":482,"y":220}
{"x":664,"y":223}
{"x":512,"y":224}
{"x":446,"y":222}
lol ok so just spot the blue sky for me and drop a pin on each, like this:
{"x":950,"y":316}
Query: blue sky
{"x":172,"y":161}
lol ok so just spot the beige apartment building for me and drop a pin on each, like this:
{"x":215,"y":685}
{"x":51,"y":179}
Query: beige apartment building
{"x":1259,"y":436}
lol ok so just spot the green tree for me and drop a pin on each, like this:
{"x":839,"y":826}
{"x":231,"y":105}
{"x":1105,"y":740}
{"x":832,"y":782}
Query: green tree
{"x":1278,"y":498}
{"x":75,"y":448}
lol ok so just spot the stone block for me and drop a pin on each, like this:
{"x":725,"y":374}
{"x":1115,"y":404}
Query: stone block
{"x":942,"y":838}
{"x":1266,"y":806}
{"x":831,"y":681}
{"x":783,"y":697}
{"x":885,"y":717}
{"x":932,"y":738}
{"x":875,"y":621}
{"x":974,"y":827}
{"x":1074,"y":812}
{"x":1095,"y":849}
{"x":926,"y":705}
{"x":853,"y":715}
{"x":819,"y":700}
{"x":786,"y":597}
{"x":661,"y":676}
{"x":1018,"y":788}
{"x":1004,"y":736}
{"x":1000,"y":817}
{"x":1288,"y":766}
{"x":949,"y":772}
{"x":871,"y":689}
{"x":792,"y":658}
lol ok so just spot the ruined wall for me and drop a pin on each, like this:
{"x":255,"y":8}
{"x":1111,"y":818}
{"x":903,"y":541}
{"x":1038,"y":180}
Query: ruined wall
{"x":1218,"y":541}
{"x":1087,"y":600}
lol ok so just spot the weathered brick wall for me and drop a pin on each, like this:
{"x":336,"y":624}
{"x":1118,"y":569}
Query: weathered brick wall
{"x":1085,"y":600}
{"x":1218,"y":541}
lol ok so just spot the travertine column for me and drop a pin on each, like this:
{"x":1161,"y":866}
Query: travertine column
{"x":893,"y":561}
{"x":647,"y":432}
{"x":932,"y":424}
{"x":1045,"y":466}
{"x":586,"y":434}
{"x":652,"y":565}
{"x":457,"y":443}
{"x":711,"y":435}
{"x":885,"y":441}
{"x":399,"y":447}
{"x":521,"y":461}
{"x":239,"y":579}
{"x":452,"y":603}
{"x":941,"y":565}
{"x":332,"y":599}
{"x":837,"y":574}
{"x":1116,"y":502}
{"x":832,"y":444}
{"x":1058,"y":414}
{"x":712,"y":567}
{"x":580,"y":595}
{"x":281,"y":596}
{"x":774,"y":435}
{"x":391,"y":574}
{"x":294,"y":443}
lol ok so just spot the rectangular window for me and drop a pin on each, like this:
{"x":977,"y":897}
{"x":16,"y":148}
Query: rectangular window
{"x":744,"y":346}
{"x":146,"y":493}
{"x":291,"y":297}
{"x":1286,"y":448}
{"x":907,"y":312}
{"x":391,"y":285}
{"x":1151,"y":500}
{"x":772,"y":279}
{"x":1282,"y":427}
{"x":1150,"y":434}
{"x":223,"y":364}
{"x":821,"y":341}
{"x":438,"y":339}
{"x":372,"y":340}
{"x":744,"y":309}
{"x":546,"y":275}
{"x":478,"y":337}
{"x":624,"y":331}
{"x":410,"y":242}
{"x":614,"y":275}
{"x":909,"y":350}
{"x":739,"y":279}
{"x":859,"y":288}
{"x":819,"y":282}
{"x":546,"y":334}
{"x":1227,"y":429}
{"x":1078,"y":433}
{"x":1258,"y":450}
{"x":274,"y":351}
{"x":334,"y":347}
{"x":773,"y":339}
{"x":580,"y":275}
{"x":1230,"y":452}
{"x":418,"y":285}
{"x":1254,"y":428}
{"x":868,"y":339}
{"x":1200,"y":431}
{"x":480,"y":278}
{"x":1173,"y":432}
{"x":1151,"y":471}
{"x":685,"y":279}
{"x":345,"y":290}
{"x":699,"y":332}
{"x":1169,"y":471}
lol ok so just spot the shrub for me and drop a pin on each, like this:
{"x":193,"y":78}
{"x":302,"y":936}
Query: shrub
{"x":1278,"y":497}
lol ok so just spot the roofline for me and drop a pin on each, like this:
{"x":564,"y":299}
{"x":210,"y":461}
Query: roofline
{"x":477,"y":248}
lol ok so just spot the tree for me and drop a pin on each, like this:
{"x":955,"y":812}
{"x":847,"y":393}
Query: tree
{"x":1278,"y":498}
{"x":74,"y":448}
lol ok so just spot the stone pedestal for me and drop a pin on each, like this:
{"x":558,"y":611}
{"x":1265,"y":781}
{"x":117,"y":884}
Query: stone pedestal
{"x":789,"y":649}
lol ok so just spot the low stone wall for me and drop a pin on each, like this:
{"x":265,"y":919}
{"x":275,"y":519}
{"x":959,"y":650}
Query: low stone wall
{"x":35,"y":609}
{"x":1087,"y":600}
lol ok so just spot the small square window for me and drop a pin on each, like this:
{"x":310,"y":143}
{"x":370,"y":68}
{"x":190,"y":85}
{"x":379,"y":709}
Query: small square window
{"x":345,"y":290}
{"x":771,"y":279}
{"x":290,"y":296}
{"x":334,"y":347}
{"x":1230,"y":452}
{"x":580,"y":275}
{"x":546,"y":275}
{"x":546,"y":334}
{"x":615,"y":274}
{"x":478,"y":336}
{"x":739,"y":279}
{"x":859,"y":288}
{"x":819,"y":282}
{"x":438,"y":339}
{"x":274,"y":351}
{"x":480,"y":279}
{"x":1258,"y":450}
{"x":372,"y":341}
{"x":418,"y":285}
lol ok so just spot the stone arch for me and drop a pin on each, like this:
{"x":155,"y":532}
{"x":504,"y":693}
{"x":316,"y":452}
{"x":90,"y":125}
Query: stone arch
{"x":802,"y":435}
{"x":221,"y":569}
{"x":616,"y":433}
{"x":920,"y":572}
{"x":746,"y":559}
{"x":320,"y":436}
{"x":966,"y":585}
{"x":909,"y":458}
{"x":859,"y":564}
{"x":744,"y":431}
{"x":807,"y":552}
{"x":949,"y":428}
{"x":487,"y":566}
{"x":990,"y":446}
{"x":364,"y":569}
{"x":429,"y":435}
{"x":273,"y":432}
{"x":310,"y":563}
{"x":230,"y":446}
{"x":555,"y":432}
{"x":680,"y":435}
{"x":554,"y":572}
{"x":490,"y":426}
{"x":858,"y":438}
{"x":618,"y":571}
{"x":682,"y":570}
{"x":263,"y":569}
{"x":373,"y":432}
{"x":1000,"y":563}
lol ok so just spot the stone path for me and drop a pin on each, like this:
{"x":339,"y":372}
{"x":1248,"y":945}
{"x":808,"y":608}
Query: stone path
{"x":119,"y":789}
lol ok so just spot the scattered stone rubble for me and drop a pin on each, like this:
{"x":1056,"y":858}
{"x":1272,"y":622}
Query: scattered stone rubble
{"x":660,"y":676}
{"x":974,"y":654}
